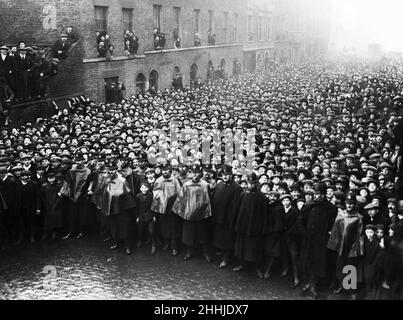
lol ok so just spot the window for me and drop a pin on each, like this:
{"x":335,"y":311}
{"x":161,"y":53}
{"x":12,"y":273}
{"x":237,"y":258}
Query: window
{"x":259,"y":30}
{"x":153,"y":80}
{"x":101,"y":14}
{"x":140,"y":83}
{"x":235,"y":27}
{"x":193,"y":72}
{"x":157,"y":9}
{"x":177,"y":17}
{"x":250,"y":31}
{"x":109,"y":98}
{"x":225,"y":26}
{"x":127,"y":19}
{"x":197,"y":18}
{"x":268,"y":28}
{"x":211,"y":21}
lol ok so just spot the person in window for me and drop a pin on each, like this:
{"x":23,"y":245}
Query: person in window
{"x":99,"y":37}
{"x":135,"y":42}
{"x":211,"y":39}
{"x":197,"y":40}
{"x":101,"y":50}
{"x":177,"y":40}
{"x":160,"y":41}
{"x":156,"y":37}
{"x":177,"y":82}
{"x":109,"y":52}
{"x":61,"y":47}
{"x":117,"y":92}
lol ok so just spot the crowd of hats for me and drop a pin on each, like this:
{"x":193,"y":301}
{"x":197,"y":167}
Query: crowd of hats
{"x":316,"y":123}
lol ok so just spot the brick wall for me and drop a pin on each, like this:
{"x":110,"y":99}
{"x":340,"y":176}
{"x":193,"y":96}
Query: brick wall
{"x":163,"y":63}
{"x":42,"y":21}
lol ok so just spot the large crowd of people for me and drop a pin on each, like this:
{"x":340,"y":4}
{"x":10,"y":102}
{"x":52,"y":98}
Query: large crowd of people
{"x":307,"y":176}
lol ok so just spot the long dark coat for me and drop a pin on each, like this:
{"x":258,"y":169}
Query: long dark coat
{"x":273,"y":230}
{"x":225,"y":202}
{"x":251,"y":216}
{"x":49,"y":204}
{"x":316,"y":221}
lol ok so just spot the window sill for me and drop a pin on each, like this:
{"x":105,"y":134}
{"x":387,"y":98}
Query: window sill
{"x":119,"y":58}
{"x":193,"y":48}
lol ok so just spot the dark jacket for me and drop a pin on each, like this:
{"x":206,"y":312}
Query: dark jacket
{"x":143,"y":207}
{"x":26,"y":197}
{"x":274,"y":228}
{"x":251,"y":215}
{"x":316,"y":221}
{"x":59,"y":45}
{"x":225,"y":202}
{"x":22,"y":65}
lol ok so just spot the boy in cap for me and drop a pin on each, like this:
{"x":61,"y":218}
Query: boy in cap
{"x":371,"y":261}
{"x":145,"y":217}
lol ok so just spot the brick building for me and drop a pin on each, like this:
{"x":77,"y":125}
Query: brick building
{"x":41,"y":22}
{"x":245,"y":30}
{"x":259,"y":45}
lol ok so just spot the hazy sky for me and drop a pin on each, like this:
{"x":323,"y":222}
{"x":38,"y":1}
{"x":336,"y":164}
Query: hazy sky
{"x":360,"y":22}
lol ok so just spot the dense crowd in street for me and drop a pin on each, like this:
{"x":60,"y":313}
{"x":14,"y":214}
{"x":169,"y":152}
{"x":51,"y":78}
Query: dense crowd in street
{"x":312,"y":181}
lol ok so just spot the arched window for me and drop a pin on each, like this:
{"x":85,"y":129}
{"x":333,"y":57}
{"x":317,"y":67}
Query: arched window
{"x":193,"y":72}
{"x":210,"y":70}
{"x":176,"y":71}
{"x":259,"y":60}
{"x":222,"y":64}
{"x":154,"y":80}
{"x":140,"y":83}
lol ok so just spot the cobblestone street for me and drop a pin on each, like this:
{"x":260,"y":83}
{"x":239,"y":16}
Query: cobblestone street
{"x":87,"y":269}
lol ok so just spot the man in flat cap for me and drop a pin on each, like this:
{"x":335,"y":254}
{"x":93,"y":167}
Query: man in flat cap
{"x":61,"y":47}
{"x":23,"y":64}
